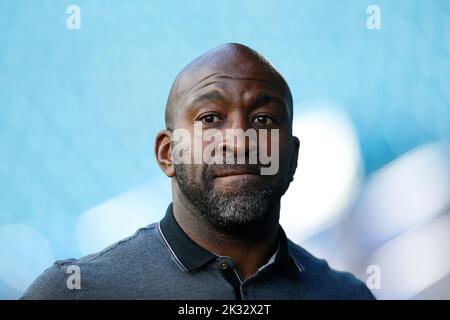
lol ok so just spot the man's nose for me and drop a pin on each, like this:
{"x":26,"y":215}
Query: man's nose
{"x":235,"y":143}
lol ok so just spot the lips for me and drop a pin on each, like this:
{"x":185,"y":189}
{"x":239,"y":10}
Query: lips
{"x":228,"y":173}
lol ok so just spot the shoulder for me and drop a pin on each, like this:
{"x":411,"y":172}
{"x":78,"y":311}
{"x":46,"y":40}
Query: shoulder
{"x":97,"y":269}
{"x":326,"y":282}
{"x":51,"y":284}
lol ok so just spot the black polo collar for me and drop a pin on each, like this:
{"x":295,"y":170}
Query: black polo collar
{"x":191,"y":256}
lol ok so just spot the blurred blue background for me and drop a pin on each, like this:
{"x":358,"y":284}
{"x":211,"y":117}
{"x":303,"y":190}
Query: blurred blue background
{"x":79,"y":111}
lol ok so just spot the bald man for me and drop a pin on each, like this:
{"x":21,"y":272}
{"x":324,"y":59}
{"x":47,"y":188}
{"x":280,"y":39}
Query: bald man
{"x":220,"y":238}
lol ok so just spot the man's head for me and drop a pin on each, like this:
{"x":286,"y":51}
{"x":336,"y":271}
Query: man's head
{"x":230,"y":88}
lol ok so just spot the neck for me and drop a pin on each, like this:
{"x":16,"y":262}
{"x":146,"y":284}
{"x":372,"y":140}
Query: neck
{"x":249,"y":250}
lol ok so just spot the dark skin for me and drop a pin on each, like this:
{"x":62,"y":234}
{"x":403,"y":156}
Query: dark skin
{"x":230,"y":87}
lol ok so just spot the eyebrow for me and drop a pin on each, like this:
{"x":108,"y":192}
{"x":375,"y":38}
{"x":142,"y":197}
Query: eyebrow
{"x":265,"y":98}
{"x":209,"y":96}
{"x":261,"y":99}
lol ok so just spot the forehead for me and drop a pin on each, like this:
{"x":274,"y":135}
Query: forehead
{"x":243,"y":90}
{"x":245,"y":79}
{"x":234,"y":88}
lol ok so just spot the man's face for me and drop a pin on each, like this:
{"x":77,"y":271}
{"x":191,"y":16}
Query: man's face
{"x":232,"y":195}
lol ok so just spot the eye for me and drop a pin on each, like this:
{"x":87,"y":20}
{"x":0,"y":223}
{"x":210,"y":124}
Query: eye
{"x":263,"y":119}
{"x":210,"y":118}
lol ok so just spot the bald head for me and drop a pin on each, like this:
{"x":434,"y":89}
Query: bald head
{"x":228,"y":61}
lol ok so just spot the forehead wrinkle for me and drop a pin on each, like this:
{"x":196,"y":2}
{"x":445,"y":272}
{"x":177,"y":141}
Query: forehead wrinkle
{"x":247,"y":79}
{"x":218,"y":75}
{"x":272,"y":84}
{"x":197,"y":83}
{"x":198,"y":93}
{"x":273,"y":92}
{"x":247,"y":97}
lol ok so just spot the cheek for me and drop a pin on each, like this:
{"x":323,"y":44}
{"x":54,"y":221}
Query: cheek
{"x":274,"y":140}
{"x":197,"y":172}
{"x":278,"y":150}
{"x":189,"y":173}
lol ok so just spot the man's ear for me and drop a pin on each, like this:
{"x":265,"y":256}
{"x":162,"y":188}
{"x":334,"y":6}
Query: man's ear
{"x":294,"y":160}
{"x":163,"y":152}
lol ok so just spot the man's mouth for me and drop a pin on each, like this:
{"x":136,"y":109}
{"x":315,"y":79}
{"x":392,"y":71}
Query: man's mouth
{"x":236,"y":172}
